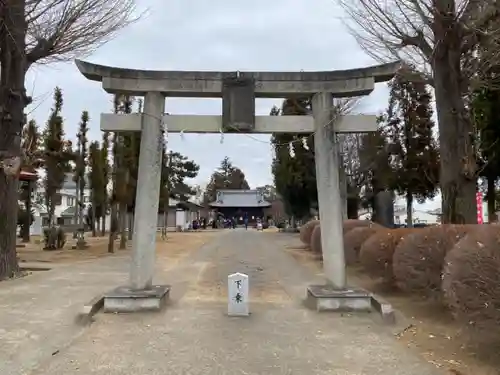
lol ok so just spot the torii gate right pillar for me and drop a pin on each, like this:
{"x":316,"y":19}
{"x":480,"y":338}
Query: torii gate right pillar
{"x":329,"y":194}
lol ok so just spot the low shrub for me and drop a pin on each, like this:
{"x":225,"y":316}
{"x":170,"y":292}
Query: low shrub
{"x":350,"y":224}
{"x":419,"y":258}
{"x":376,"y":252}
{"x":316,"y":240}
{"x":306,"y":231}
{"x":471,"y":282}
{"x":353,"y":241}
{"x":54,"y":238}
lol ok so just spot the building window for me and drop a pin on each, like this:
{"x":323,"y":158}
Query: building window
{"x":40,"y":197}
{"x":58,"y":199}
{"x":70,"y":201}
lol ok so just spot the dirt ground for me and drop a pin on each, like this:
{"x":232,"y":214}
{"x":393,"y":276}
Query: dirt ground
{"x":175,"y":246}
{"x":433,"y":333}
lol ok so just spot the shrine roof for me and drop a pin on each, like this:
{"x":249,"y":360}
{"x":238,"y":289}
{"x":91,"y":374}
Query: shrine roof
{"x":239,"y":198}
{"x":27,"y":176}
{"x":174,"y":202}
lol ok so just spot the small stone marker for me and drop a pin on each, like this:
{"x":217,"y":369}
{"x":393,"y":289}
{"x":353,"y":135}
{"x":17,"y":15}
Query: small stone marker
{"x":238,"y":301}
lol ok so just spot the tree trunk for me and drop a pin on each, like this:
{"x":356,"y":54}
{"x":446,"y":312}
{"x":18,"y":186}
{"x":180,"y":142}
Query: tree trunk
{"x":352,"y":207}
{"x":77,"y":206}
{"x":165,"y":214}
{"x":95,"y":222}
{"x":112,"y":228}
{"x":491,"y":199}
{"x":27,"y":203}
{"x":123,"y":226}
{"x":456,"y":132}
{"x":130,"y":226}
{"x":12,"y":103}
{"x":409,"y":209}
{"x":103,"y":225}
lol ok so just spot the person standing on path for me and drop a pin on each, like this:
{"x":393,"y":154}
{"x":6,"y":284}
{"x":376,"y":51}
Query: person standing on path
{"x":245,"y":220}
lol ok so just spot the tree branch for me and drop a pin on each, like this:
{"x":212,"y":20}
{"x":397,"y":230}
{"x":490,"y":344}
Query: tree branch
{"x":60,"y":30}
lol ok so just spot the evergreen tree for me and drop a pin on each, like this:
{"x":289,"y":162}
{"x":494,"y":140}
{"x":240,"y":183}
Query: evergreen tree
{"x":102,"y":209}
{"x":30,"y":144}
{"x":97,"y":185}
{"x":486,"y":119}
{"x":121,"y":173}
{"x":294,"y":177}
{"x":227,"y":176}
{"x":268,"y":192}
{"x":374,"y":167}
{"x":408,"y":126}
{"x":131,"y":149}
{"x":58,"y":153}
{"x":175,"y":169}
{"x":79,"y":176}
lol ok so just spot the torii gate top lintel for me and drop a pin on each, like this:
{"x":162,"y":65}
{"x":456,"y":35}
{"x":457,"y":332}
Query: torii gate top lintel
{"x":341,"y":83}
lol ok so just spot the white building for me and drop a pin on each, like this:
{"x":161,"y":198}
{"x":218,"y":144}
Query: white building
{"x":66,"y":207}
{"x":66,"y":203}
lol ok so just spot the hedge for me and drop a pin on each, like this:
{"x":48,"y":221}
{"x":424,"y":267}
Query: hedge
{"x":351,"y":224}
{"x":471,"y":282}
{"x":376,"y":253}
{"x":354,"y":239}
{"x":419,"y":258}
{"x":306,"y":231}
{"x":316,"y":240}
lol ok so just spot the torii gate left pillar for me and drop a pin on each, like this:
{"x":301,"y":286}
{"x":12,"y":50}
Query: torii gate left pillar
{"x":238,"y":90}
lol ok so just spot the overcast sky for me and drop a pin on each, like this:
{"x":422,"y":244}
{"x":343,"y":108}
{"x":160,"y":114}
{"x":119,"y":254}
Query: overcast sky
{"x":277,"y":35}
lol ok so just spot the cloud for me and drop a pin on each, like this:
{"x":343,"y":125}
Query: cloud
{"x":212,"y":35}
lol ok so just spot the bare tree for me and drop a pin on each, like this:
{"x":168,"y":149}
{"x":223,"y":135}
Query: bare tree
{"x":441,"y":39}
{"x":60,"y":30}
{"x":41,"y":31}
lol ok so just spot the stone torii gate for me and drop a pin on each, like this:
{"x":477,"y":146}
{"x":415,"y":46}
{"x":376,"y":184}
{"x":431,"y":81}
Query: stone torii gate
{"x":238,"y":91}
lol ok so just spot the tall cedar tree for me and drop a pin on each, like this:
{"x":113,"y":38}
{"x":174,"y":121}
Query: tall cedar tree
{"x":294,"y":177}
{"x":131,"y":145}
{"x":121,"y":181}
{"x":58,"y":154}
{"x":408,"y":127}
{"x":104,"y":204}
{"x":81,"y":164}
{"x":227,"y":176}
{"x":375,"y":166}
{"x":118,"y":201}
{"x":486,"y":117}
{"x":97,"y":185}
{"x":30,"y":145}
